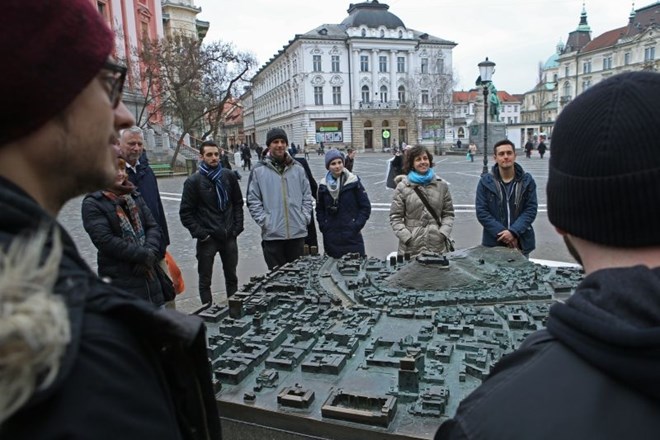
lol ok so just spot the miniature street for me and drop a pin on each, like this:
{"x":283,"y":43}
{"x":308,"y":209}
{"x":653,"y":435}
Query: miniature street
{"x":461,"y":174}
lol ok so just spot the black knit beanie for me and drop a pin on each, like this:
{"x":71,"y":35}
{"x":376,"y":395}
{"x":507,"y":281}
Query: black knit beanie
{"x":276,"y":133}
{"x":604,"y":176}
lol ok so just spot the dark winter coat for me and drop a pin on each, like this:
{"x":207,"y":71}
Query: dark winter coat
{"x":341,"y":222}
{"x":117,"y":258}
{"x":199,"y":210}
{"x":311,"y":239}
{"x":131,"y":370}
{"x":144,"y":179}
{"x":496,"y":215}
{"x":593,"y":374}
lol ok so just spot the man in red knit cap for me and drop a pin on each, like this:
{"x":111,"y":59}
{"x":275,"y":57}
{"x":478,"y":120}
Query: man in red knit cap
{"x":79,"y":358}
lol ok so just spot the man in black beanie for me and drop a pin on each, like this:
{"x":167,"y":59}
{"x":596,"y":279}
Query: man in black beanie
{"x":280,"y":201}
{"x":79,"y":357}
{"x":594,"y":373}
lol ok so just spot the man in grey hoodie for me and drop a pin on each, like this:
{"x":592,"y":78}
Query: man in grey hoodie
{"x":280,"y":201}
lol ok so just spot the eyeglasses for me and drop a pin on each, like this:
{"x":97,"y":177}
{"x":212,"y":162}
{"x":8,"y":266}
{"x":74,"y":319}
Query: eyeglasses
{"x":115,"y":81}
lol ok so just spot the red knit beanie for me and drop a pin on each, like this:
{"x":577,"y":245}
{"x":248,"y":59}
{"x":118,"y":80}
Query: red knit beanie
{"x":51,"y":50}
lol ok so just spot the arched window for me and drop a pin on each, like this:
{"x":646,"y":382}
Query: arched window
{"x":365,"y":94}
{"x":402,"y":94}
{"x":383,"y":94}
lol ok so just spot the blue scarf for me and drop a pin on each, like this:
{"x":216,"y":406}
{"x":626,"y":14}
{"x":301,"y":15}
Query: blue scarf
{"x":421,"y":179}
{"x":214,"y":175}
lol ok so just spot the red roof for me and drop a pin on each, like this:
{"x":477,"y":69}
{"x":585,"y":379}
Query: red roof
{"x":607,"y":39}
{"x":471,"y":96}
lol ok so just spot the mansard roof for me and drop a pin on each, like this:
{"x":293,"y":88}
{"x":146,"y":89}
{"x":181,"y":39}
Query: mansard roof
{"x":371,"y":14}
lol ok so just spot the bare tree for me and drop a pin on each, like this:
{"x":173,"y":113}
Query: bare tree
{"x":188,"y":83}
{"x":430,"y":90}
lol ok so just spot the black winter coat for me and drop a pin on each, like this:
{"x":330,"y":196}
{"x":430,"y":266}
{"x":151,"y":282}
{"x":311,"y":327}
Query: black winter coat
{"x":118,"y":259}
{"x":593,"y":374}
{"x":145,"y":181}
{"x":199,"y":210}
{"x":131,"y":370}
{"x":342,"y":222}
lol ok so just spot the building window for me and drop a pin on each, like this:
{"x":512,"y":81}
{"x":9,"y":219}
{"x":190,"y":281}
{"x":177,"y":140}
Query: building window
{"x":382,"y":64}
{"x":401,"y":64}
{"x":567,"y":71}
{"x":335,"y":63}
{"x":402,"y":94}
{"x":364,"y":63}
{"x":425,"y":65}
{"x":586,"y":67}
{"x":439,"y":66}
{"x":586,"y":84}
{"x":383,"y":94}
{"x":365,"y":94}
{"x":336,"y":95}
{"x":607,"y":62}
{"x":425,"y":96}
{"x":649,"y":53}
{"x":316,"y":63}
{"x":627,"y":58}
{"x":318,"y":95}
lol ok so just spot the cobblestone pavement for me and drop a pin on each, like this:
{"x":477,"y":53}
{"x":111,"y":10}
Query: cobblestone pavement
{"x":462,"y":175}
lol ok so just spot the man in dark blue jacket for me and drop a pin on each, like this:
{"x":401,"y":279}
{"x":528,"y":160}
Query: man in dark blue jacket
{"x":143,"y":177}
{"x":80,"y":357}
{"x":506,"y":202}
{"x":212,"y":210}
{"x":593,"y":374}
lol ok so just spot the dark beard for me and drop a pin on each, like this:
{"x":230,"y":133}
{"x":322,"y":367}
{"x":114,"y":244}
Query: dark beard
{"x":572,"y":250}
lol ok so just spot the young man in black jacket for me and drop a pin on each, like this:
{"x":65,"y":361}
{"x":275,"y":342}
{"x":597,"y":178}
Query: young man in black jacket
{"x":80,"y":358}
{"x":212,"y":210}
{"x":593,"y":374}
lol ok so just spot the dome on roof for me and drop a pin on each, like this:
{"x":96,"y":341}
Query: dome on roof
{"x":371,"y":14}
{"x":552,"y":62}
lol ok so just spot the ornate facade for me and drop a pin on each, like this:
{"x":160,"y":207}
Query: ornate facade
{"x":367,"y":82}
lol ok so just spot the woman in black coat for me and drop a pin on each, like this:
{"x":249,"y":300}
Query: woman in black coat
{"x":342,"y":208}
{"x":127,"y":238}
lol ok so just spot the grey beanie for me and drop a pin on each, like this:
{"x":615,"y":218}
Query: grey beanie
{"x":276,"y":133}
{"x":604,"y":175}
{"x":332,"y":155}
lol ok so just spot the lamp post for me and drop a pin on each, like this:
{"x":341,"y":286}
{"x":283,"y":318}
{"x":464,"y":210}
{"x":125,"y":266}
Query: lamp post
{"x":486,"y":70}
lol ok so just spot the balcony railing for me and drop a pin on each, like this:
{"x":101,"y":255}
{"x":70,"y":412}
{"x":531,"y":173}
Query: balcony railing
{"x":378,"y":105}
{"x":565,"y":99}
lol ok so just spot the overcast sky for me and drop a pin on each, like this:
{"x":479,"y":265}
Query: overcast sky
{"x":515,"y":34}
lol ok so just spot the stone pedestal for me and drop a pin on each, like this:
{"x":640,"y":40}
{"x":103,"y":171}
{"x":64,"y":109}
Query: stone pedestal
{"x":496,"y":132}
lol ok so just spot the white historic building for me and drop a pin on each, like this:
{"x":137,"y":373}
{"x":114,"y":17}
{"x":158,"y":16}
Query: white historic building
{"x":583,"y":62}
{"x":368,"y":82}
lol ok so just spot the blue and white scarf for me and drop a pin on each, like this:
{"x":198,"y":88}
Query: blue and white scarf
{"x":214,"y":175}
{"x":421,"y":179}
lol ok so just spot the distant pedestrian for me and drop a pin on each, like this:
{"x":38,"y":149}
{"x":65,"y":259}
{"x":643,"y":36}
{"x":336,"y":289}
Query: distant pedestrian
{"x":542,"y":147}
{"x":459,"y":144}
{"x":472,"y":151}
{"x":342,"y":208}
{"x":246,"y":156}
{"x":280,"y":202}
{"x":349,"y":160}
{"x":212,"y":210}
{"x":529,"y":147}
